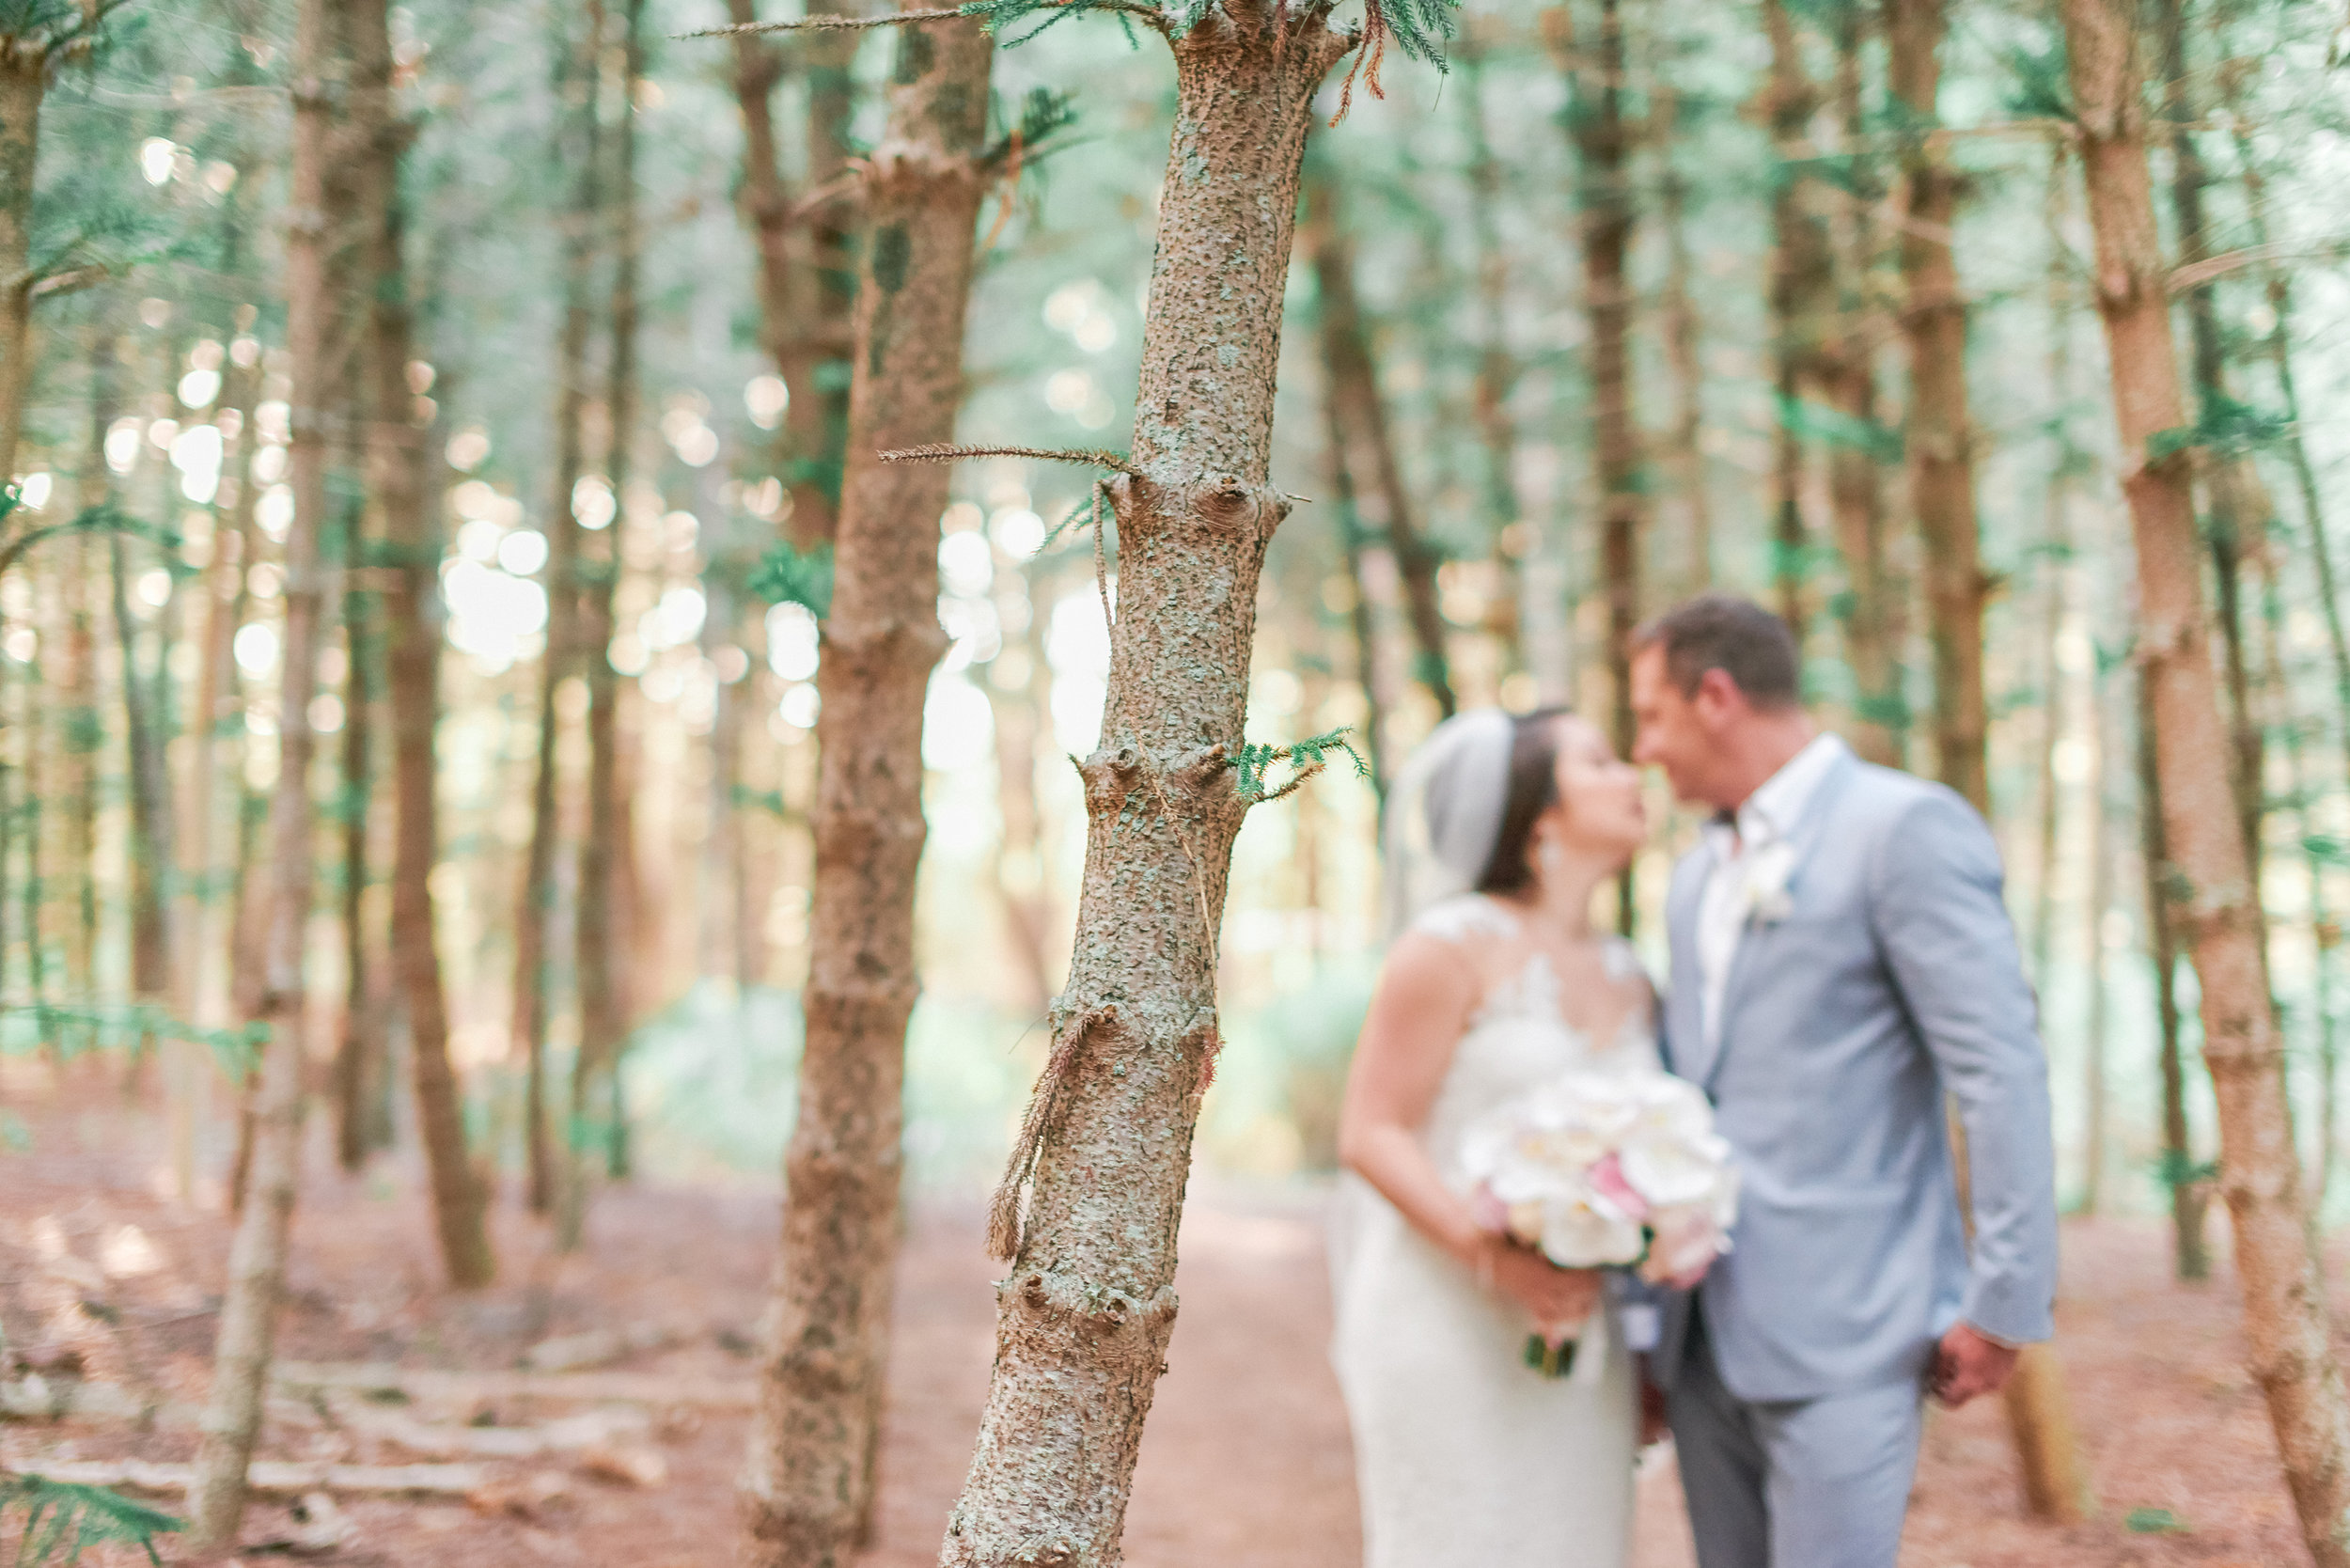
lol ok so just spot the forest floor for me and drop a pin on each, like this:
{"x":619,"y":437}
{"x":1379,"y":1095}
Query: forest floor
{"x":1245,"y":1461}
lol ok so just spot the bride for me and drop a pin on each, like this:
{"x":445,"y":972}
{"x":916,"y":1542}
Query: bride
{"x":1500,"y":831}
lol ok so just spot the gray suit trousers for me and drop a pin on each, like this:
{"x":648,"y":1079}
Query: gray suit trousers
{"x":1791,"y":1483}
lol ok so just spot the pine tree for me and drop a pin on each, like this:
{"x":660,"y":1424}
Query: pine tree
{"x":809,"y":1476}
{"x":2207,"y":877}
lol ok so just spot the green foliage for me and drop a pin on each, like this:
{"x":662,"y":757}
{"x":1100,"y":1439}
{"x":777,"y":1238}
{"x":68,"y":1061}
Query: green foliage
{"x":2153,"y":1521}
{"x":1421,"y":27}
{"x":787,"y":576}
{"x":63,"y":1520}
{"x":1254,"y":762}
{"x":2175,"y":1170}
{"x":2038,"y":80}
{"x":1833,"y":427}
{"x":104,"y":1027}
{"x":2229,"y":429}
{"x":997,"y":15}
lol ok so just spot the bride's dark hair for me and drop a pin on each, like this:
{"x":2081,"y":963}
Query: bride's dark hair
{"x":1533,"y":790}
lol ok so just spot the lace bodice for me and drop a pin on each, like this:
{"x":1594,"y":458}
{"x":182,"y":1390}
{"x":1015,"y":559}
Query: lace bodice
{"x":1519,"y":1035}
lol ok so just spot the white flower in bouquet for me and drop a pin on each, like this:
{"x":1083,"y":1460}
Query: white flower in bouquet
{"x":1608,"y":1169}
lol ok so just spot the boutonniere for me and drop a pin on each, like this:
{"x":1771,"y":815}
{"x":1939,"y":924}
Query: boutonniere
{"x":1766,"y":869}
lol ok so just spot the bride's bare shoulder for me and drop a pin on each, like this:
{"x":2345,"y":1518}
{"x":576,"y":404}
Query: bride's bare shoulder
{"x":1472,"y":917}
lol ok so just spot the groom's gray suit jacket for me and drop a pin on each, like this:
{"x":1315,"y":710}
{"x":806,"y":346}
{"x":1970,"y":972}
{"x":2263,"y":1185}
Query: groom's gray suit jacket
{"x":1894,"y":978}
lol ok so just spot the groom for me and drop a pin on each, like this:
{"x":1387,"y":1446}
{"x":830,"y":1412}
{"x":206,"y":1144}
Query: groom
{"x":1841,"y":962}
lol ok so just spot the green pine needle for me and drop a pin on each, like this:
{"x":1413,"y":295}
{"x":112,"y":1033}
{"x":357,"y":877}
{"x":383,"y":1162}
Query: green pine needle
{"x":786,"y":576}
{"x":62,"y":1520}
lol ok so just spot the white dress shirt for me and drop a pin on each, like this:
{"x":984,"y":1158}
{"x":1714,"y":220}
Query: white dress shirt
{"x":1767,"y":817}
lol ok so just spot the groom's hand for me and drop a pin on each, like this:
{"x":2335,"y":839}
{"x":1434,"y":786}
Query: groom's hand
{"x":1968,"y":1364}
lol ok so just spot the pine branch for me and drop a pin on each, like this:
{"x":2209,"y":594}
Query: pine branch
{"x":1090,"y":457}
{"x":825,"y":23}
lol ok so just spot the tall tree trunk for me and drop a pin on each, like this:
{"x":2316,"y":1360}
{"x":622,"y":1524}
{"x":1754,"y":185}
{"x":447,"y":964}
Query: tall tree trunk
{"x":602,"y":957}
{"x":1023,"y":724}
{"x":24,"y":81}
{"x":577,"y":144}
{"x":2231,"y":532}
{"x":1802,"y":294}
{"x":1872,"y":604}
{"x":1939,"y":441}
{"x":145,"y":712}
{"x":398,"y":452}
{"x":360,"y":1052}
{"x":256,"y":1257}
{"x":1085,"y":1313}
{"x":81,"y":722}
{"x":1683,"y":329}
{"x":1497,"y":375}
{"x":2056,"y":570}
{"x":805,"y":272}
{"x":1940,"y":434}
{"x":1350,"y":382}
{"x":2190,"y":1190}
{"x":807,"y":1485}
{"x":2324,"y":933}
{"x":2207,"y":878}
{"x":1603,"y":148}
{"x":2096,"y":1138}
{"x":217,"y":710}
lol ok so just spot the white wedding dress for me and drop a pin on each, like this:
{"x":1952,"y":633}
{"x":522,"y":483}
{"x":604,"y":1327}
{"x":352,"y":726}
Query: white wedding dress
{"x":1464,"y":1456}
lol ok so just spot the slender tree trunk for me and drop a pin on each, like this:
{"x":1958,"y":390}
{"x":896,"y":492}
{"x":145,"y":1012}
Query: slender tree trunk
{"x":1872,"y":602}
{"x":577,"y":145}
{"x":1683,"y":328}
{"x":806,"y":271}
{"x":24,"y":81}
{"x":1802,"y":294}
{"x":2056,"y":568}
{"x":808,"y":1487}
{"x":1351,"y":385}
{"x":2094,"y":1088}
{"x":217,"y":708}
{"x":1023,"y":723}
{"x":2279,"y":289}
{"x":398,"y":452}
{"x":145,"y":712}
{"x":256,"y":1257}
{"x":602,"y":957}
{"x":1939,"y":439}
{"x":2189,"y":1192}
{"x":1085,"y":1311}
{"x":2207,"y":877}
{"x":2325,"y":935}
{"x":1498,"y":367}
{"x":1603,"y":145}
{"x":2232,"y":531}
{"x":359,"y":1054}
{"x":1940,"y":434}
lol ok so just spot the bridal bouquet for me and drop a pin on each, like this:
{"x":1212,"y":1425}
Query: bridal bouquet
{"x":1605,"y":1171}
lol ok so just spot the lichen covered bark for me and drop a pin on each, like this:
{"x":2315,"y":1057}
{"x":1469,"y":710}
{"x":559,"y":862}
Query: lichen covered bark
{"x":1085,"y":1314}
{"x":2206,"y":881}
{"x":807,"y":1480}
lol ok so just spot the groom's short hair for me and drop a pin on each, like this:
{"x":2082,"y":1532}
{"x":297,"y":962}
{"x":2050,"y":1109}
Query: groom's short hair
{"x":1737,"y":636}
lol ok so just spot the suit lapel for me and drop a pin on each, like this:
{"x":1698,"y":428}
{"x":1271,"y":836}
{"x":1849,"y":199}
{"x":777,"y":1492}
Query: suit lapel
{"x":1804,"y":837}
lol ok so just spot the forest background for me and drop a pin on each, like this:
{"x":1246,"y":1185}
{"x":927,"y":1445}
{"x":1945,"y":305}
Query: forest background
{"x":1627,"y":301}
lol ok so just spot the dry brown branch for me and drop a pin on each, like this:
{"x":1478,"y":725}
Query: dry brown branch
{"x":274,"y":1477}
{"x":419,"y":1384}
{"x":823,"y":23}
{"x":2187,"y":280}
{"x":1089,"y":457}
